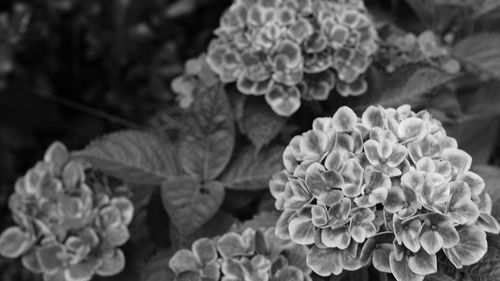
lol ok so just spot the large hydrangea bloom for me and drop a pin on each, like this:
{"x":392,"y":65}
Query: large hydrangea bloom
{"x":65,"y":230}
{"x":247,"y":256}
{"x":293,"y":49}
{"x":388,"y":188}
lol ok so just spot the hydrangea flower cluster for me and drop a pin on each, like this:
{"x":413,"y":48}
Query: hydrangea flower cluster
{"x":389,"y":188}
{"x":66,"y":230}
{"x":197,"y":75}
{"x":293,"y":49}
{"x":400,"y":48}
{"x":247,"y":256}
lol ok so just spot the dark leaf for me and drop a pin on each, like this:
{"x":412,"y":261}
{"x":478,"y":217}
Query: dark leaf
{"x":467,"y":132}
{"x":157,"y":268}
{"x":259,"y":122}
{"x":189,"y":203}
{"x":491,"y":175}
{"x":251,"y":171}
{"x":133,"y":156}
{"x":481,"y":52}
{"x":219,"y":224}
{"x":438,"y":277}
{"x":261,"y":220}
{"x":406,"y":86}
{"x":208,"y":137}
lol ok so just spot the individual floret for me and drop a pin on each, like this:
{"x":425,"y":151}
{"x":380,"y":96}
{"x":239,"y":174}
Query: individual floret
{"x":247,"y":256}
{"x":388,"y":188}
{"x":288,"y":50}
{"x":65,"y":229}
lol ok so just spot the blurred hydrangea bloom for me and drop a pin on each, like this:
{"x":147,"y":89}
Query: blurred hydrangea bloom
{"x":293,"y":49}
{"x":197,"y":75}
{"x":13,"y":26}
{"x":65,"y":229}
{"x":399,"y":48}
{"x":247,"y":256}
{"x":389,"y":188}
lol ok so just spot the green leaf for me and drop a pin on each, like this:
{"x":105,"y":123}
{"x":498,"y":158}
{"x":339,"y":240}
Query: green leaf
{"x":406,"y":86}
{"x":207,"y":139}
{"x":481,"y":52}
{"x":259,"y":122}
{"x":133,"y":156}
{"x":189,"y":203}
{"x":251,"y":171}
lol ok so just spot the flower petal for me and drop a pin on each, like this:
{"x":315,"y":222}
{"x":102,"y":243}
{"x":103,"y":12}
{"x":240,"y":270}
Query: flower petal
{"x":113,"y":263}
{"x":301,"y":230}
{"x":374,"y":117}
{"x":204,"y":249}
{"x":422,"y":263}
{"x":371,"y":151}
{"x":474,"y":181}
{"x":471,"y":248}
{"x":431,"y":241}
{"x":336,"y":238}
{"x":395,"y":199}
{"x":314,"y":143}
{"x":324,"y":262}
{"x":344,"y":119}
{"x":412,"y":129}
{"x":401,"y":270}
{"x":184,"y":260}
{"x":381,"y":257}
{"x":14,"y":242}
{"x":488,"y":223}
{"x":460,"y":160}
{"x":233,"y":244}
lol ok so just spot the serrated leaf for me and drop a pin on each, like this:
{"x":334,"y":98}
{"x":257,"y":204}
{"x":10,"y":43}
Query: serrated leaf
{"x":406,"y":86}
{"x":189,"y":203}
{"x":259,"y":122}
{"x":133,"y":156}
{"x":251,"y":171}
{"x":481,"y":51}
{"x":207,"y":140}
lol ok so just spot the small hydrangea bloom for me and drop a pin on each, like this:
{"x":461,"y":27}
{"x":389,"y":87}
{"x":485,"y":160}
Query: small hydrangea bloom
{"x":388,"y":188}
{"x":65,"y":230}
{"x":197,"y":75}
{"x":288,"y":50}
{"x":400,"y":48}
{"x":247,"y":256}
